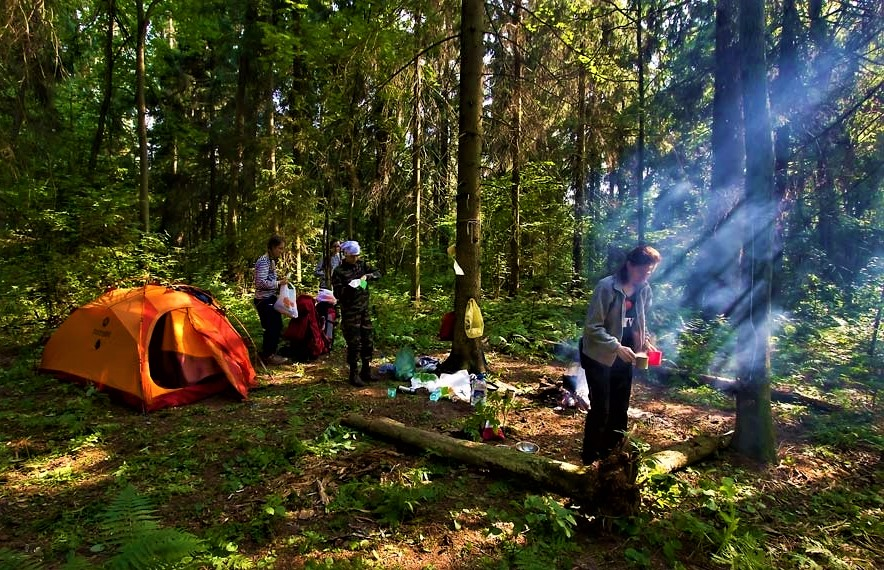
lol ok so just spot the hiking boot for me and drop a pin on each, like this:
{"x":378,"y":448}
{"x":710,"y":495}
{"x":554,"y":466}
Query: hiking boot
{"x":276,"y":360}
{"x":365,"y":374}
{"x":354,"y":378}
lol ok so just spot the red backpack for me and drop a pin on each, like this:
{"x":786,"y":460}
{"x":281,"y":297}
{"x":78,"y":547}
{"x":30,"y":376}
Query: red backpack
{"x":446,"y":327}
{"x":303,"y":333}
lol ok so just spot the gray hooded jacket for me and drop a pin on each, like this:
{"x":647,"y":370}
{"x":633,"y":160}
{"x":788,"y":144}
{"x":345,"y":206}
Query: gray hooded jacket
{"x":603,"y":330}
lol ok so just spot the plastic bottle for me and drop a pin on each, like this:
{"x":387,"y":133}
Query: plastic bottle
{"x":479,"y":389}
{"x":435,"y":395}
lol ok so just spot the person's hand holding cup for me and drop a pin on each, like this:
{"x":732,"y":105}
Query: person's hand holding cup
{"x":625,"y":353}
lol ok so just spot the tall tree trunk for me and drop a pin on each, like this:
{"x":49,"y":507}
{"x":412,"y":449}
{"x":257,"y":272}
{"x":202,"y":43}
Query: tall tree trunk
{"x":783,"y":99}
{"x":515,"y":261}
{"x":640,"y":163}
{"x":441,"y":194}
{"x":242,"y":169}
{"x":579,"y":177}
{"x":108,"y":90}
{"x":143,"y":167}
{"x":416,"y":182}
{"x":716,"y":277}
{"x":466,"y":353}
{"x":828,"y":204}
{"x":383,"y":168}
{"x":754,"y":435}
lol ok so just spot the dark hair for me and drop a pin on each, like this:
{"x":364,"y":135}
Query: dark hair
{"x":641,"y":255}
{"x":274,"y":241}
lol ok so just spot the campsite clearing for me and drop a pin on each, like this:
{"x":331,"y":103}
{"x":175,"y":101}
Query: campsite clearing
{"x":277,"y":478}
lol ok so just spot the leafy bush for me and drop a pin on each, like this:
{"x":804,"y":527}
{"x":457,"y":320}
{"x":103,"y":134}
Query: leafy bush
{"x":541,"y":536}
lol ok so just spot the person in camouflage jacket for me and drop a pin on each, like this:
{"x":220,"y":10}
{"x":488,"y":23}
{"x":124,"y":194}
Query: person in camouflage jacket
{"x":349,"y":281}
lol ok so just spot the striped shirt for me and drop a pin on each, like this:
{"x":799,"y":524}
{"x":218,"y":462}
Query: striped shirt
{"x":266,"y":280}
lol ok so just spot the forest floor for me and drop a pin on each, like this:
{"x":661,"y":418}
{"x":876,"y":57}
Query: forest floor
{"x":271,"y":477}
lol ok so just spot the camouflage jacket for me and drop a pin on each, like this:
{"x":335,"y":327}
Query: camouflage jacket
{"x":352,"y":299}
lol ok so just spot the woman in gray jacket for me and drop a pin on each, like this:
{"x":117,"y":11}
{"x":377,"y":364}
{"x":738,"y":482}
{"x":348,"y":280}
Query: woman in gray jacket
{"x":615,"y":330}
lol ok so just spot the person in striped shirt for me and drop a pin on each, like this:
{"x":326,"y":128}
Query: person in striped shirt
{"x":267,"y":283}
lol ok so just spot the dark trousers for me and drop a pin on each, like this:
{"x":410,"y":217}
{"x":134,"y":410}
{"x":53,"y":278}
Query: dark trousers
{"x":271,"y":322}
{"x":357,"y":329}
{"x":610,"y":388}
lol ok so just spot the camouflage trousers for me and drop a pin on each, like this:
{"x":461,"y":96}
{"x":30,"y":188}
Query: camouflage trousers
{"x":358,"y":332}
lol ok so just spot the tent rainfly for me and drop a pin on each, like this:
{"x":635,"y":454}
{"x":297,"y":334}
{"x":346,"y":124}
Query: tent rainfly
{"x":156,"y":346}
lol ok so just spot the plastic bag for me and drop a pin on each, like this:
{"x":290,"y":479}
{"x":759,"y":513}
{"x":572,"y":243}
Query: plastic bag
{"x":286,"y":301}
{"x":472,"y":320}
{"x":404,"y":363}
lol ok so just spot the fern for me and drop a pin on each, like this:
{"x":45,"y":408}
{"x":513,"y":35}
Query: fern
{"x":127,"y":517}
{"x":130,"y":524}
{"x":10,"y":559}
{"x":158,"y":548}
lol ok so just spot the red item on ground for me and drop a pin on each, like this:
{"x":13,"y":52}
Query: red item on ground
{"x":492,"y":434}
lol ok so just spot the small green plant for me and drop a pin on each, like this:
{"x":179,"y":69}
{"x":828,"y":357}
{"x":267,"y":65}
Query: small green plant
{"x":393,"y":500}
{"x":335,"y":439}
{"x":271,"y":512}
{"x":492,"y":412}
{"x":130,"y":534}
{"x":546,"y":529}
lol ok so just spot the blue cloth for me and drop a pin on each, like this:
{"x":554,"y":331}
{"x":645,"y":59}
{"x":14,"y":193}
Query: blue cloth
{"x":350,"y":248}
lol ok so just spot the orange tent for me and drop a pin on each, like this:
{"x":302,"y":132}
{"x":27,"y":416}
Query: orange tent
{"x":157,"y":346}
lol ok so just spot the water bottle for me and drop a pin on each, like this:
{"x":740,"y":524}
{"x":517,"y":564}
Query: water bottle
{"x":479,"y":388}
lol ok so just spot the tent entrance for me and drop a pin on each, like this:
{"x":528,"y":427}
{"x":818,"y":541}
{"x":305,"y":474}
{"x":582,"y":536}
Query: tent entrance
{"x":178,"y":355}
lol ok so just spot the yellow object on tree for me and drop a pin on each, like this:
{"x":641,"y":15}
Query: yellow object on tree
{"x":472,"y":320}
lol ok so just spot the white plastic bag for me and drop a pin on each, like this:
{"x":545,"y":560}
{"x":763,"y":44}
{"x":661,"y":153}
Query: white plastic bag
{"x":458,"y":385}
{"x":286,"y":301}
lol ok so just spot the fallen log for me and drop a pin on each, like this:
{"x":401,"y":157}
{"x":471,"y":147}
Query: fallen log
{"x":682,"y":454}
{"x":614,"y":477}
{"x":565,"y":478}
{"x":730,"y":386}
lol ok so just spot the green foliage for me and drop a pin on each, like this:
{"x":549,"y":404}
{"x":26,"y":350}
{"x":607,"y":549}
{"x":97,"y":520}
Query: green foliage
{"x":393,"y":500}
{"x":331,"y":563}
{"x":334,"y":440}
{"x":132,"y":538}
{"x":10,"y":559}
{"x":704,"y":345}
{"x":252,"y":465}
{"x":132,"y":532}
{"x":544,"y":526}
{"x":708,"y":515}
{"x":492,"y":412}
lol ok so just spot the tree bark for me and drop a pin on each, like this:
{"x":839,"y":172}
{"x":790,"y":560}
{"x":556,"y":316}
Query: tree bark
{"x":682,"y":454}
{"x":609,"y":484}
{"x":640,"y":162}
{"x":466,"y":353}
{"x":565,"y":478}
{"x":108,"y":90}
{"x":515,"y":260}
{"x":784,"y":98}
{"x":877,"y":324}
{"x":579,"y":176}
{"x":143,"y":166}
{"x":731,"y":387}
{"x":417,"y":148}
{"x":715,"y":280}
{"x":754,"y":435}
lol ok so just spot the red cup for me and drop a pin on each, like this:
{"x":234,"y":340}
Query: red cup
{"x":655,"y":358}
